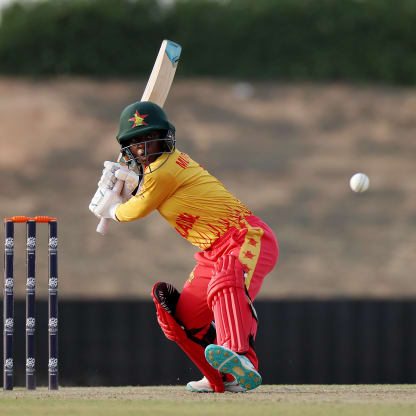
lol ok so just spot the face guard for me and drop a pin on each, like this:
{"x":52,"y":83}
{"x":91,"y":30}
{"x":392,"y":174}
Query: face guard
{"x":147,"y":157}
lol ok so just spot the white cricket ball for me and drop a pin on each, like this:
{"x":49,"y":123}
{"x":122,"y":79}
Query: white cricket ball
{"x":359,"y":182}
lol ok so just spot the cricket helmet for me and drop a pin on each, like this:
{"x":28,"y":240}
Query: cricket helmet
{"x":140,"y":118}
{"x":138,"y":123}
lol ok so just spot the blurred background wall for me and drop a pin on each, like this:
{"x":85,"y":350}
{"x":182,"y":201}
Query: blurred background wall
{"x":281,"y":100}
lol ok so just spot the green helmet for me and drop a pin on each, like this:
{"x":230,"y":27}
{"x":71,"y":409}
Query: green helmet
{"x":140,"y":118}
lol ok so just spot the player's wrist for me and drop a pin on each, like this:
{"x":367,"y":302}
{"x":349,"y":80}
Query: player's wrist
{"x":112,"y":211}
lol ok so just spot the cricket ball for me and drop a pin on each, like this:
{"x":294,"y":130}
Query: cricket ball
{"x":359,"y":182}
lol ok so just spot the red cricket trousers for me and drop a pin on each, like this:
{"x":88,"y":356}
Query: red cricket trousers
{"x":256,"y":247}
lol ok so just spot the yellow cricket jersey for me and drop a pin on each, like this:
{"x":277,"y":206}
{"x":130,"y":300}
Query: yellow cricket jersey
{"x":195,"y":203}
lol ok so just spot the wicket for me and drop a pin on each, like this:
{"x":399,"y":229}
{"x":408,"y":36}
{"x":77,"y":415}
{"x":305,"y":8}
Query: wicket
{"x":8,"y":301}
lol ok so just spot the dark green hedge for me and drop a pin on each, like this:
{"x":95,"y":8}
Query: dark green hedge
{"x":353,"y":40}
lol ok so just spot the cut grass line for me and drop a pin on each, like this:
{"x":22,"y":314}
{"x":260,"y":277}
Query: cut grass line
{"x":366,"y":400}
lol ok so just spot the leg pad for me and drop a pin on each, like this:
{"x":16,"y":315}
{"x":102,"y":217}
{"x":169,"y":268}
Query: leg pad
{"x":234,"y":313}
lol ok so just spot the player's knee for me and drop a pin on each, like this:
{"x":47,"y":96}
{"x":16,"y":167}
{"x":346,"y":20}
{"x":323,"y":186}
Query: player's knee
{"x":228,"y":273}
{"x":166,"y":297}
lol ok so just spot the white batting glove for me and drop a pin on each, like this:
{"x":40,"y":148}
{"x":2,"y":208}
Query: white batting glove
{"x":104,"y":204}
{"x":113,"y":171}
{"x":131,"y":181}
{"x":96,"y":200}
{"x":108,"y":178}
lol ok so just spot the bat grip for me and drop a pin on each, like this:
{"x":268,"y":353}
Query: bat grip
{"x":102,"y":226}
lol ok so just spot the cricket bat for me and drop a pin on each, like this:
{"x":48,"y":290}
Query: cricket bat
{"x":156,"y":91}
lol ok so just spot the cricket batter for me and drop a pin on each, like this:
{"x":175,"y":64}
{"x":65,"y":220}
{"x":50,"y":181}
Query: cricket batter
{"x":213,"y":319}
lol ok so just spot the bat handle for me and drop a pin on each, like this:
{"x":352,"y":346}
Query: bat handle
{"x":102,"y":227}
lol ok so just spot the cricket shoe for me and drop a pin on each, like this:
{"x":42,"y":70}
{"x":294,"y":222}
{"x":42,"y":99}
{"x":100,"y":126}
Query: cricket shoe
{"x":203,"y":386}
{"x":227,"y":361}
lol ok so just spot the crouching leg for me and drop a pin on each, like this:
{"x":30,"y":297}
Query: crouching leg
{"x":165,"y":297}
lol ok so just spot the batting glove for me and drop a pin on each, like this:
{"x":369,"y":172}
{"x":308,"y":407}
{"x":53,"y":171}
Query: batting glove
{"x":108,"y":179}
{"x":104,"y":204}
{"x":113,"y":172}
{"x":131,"y":181}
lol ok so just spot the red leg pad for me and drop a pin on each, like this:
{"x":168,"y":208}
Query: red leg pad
{"x":175,"y":332}
{"x":232,"y":308}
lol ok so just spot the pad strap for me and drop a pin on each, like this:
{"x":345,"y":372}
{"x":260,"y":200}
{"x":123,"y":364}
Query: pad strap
{"x":234,"y":314}
{"x":165,"y":297}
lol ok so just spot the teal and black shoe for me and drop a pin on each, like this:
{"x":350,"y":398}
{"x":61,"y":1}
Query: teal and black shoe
{"x":227,"y":361}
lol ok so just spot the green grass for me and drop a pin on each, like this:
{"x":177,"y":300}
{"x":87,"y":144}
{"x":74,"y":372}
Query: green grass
{"x":364,"y":400}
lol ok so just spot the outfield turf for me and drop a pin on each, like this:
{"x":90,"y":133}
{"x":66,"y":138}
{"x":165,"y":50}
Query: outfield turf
{"x":354,"y":400}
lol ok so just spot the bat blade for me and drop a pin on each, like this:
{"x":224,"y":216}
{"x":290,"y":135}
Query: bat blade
{"x":156,"y":91}
{"x":160,"y":80}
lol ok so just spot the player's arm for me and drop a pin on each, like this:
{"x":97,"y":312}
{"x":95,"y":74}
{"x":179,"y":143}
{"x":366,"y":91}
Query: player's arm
{"x":156,"y":91}
{"x":156,"y":188}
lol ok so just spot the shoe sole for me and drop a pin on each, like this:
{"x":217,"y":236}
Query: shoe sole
{"x":193,"y":390}
{"x":228,"y":388}
{"x":228,"y":361}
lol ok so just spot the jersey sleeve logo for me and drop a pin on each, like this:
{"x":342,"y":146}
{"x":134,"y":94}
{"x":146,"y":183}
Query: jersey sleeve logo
{"x":138,"y":119}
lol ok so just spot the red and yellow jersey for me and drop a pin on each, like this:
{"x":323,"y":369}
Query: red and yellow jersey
{"x":195,"y":203}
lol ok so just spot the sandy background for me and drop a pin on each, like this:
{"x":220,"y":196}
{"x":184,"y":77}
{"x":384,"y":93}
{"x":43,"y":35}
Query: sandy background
{"x":287,"y":151}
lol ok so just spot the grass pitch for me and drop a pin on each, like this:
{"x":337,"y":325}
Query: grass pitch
{"x":354,"y":400}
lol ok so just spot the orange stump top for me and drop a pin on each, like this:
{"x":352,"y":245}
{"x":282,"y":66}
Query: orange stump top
{"x":21,"y":218}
